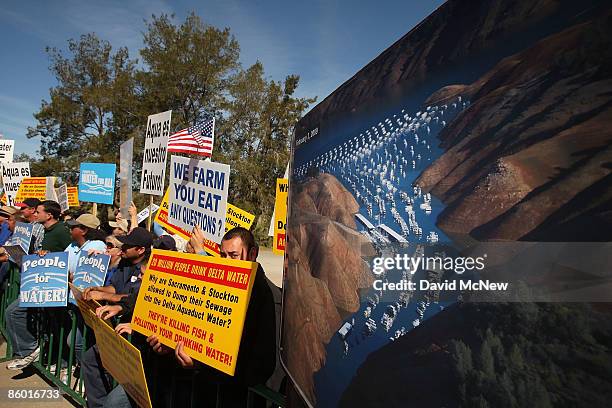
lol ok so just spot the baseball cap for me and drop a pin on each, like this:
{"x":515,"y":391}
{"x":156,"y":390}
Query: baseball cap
{"x":165,"y":242}
{"x":6,"y":211}
{"x":123,"y":224}
{"x":86,"y":220}
{"x":29,"y":202}
{"x":139,"y":237}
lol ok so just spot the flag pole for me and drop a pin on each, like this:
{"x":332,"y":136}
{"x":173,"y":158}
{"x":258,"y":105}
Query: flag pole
{"x":94,"y":209}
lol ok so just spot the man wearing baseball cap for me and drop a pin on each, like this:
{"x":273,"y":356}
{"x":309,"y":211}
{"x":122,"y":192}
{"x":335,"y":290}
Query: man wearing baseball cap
{"x":135,"y":252}
{"x":120,"y":227}
{"x":85,"y":236}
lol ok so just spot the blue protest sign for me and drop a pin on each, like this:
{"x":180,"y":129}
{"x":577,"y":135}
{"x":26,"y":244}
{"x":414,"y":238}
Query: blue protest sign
{"x":22,"y":235}
{"x":97,"y":183}
{"x":44,"y":280}
{"x":90,"y":271}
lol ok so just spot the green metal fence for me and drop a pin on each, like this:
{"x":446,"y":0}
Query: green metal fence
{"x":54,"y":349}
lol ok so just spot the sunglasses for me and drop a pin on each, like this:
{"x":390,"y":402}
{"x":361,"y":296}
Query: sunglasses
{"x":110,"y":245}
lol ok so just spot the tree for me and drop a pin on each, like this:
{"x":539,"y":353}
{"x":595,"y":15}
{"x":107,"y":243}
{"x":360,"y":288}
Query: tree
{"x":88,"y":114}
{"x":103,"y":98}
{"x":261,"y":116}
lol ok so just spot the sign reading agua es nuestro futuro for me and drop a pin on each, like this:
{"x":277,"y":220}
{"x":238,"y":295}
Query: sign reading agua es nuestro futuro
{"x":12,"y":175}
{"x":155,"y":153}
{"x":199,"y":300}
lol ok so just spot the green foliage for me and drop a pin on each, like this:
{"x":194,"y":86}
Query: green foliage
{"x":537,"y":355}
{"x":103,"y":98}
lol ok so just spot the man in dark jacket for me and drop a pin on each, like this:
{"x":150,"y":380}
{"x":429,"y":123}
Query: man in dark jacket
{"x":257,"y":355}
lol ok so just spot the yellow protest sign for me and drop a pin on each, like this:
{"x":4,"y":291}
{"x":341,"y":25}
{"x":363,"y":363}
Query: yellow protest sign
{"x":73,"y":197}
{"x":161,"y":217}
{"x":199,"y":300}
{"x":280,"y":216}
{"x":86,"y":307}
{"x":118,"y":356}
{"x":3,"y":199}
{"x":235,"y":217}
{"x":32,"y":187}
{"x":124,"y":362}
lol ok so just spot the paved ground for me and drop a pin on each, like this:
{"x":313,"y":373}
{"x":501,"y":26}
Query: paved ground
{"x":272,"y":264}
{"x":27,"y":380}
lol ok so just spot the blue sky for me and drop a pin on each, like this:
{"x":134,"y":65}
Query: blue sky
{"x":325,"y":42}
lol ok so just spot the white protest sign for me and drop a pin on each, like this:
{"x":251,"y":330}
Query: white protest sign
{"x":125,"y":176}
{"x":198,"y":195}
{"x":62,"y":197}
{"x":7,"y":147}
{"x":51,"y":193}
{"x":154,"y":154}
{"x":144,"y":214}
{"x":12,"y":174}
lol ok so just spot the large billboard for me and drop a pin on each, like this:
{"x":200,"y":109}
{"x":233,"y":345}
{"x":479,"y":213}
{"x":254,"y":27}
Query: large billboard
{"x":446,"y":205}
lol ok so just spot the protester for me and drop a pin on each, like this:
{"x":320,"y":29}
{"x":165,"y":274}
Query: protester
{"x":57,"y":237}
{"x":257,"y":355}
{"x":119,"y":226}
{"x":28,"y":212}
{"x":19,"y":320}
{"x":86,"y":237}
{"x":12,"y":217}
{"x":5,"y":233}
{"x":135,"y":252}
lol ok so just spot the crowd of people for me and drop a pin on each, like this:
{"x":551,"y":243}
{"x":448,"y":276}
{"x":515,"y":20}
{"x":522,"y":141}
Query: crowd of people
{"x":172,"y":375}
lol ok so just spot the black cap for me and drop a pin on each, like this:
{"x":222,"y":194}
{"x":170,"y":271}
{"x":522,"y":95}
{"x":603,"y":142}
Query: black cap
{"x":165,"y":242}
{"x":139,"y":237}
{"x":29,"y":202}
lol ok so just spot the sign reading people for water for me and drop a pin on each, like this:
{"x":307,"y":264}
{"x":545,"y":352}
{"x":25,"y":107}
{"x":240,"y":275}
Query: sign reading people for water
{"x":44,"y":280}
{"x":12,"y":175}
{"x":90,"y":271}
{"x":280,"y":216}
{"x":154,"y":154}
{"x":199,"y":300}
{"x":22,"y":235}
{"x":198,"y":195}
{"x":97,"y":182}
{"x":6,"y":150}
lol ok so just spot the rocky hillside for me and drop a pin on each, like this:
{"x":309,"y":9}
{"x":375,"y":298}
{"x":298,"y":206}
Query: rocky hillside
{"x":534,"y":149}
{"x":324,"y":275}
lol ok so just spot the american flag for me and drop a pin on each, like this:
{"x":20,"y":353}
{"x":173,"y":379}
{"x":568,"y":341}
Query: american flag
{"x":198,"y":139}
